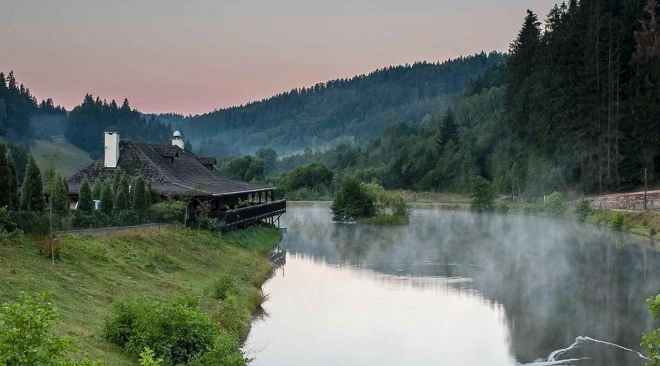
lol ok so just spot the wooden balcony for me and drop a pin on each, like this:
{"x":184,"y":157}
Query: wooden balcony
{"x":265,"y":212}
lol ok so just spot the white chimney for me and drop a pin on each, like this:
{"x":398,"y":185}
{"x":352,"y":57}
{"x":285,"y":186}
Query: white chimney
{"x":177,"y":140}
{"x":111,"y":154}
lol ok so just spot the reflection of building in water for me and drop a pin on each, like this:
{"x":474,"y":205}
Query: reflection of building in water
{"x":277,"y":256}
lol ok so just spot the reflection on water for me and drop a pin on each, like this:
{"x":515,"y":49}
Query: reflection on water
{"x":454,"y":288}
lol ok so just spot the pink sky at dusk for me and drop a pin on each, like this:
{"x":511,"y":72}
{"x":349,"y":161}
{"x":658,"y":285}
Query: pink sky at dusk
{"x":194,"y":56}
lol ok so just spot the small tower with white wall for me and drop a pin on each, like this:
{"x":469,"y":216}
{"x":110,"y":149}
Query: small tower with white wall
{"x":111,"y":151}
{"x":177,"y":140}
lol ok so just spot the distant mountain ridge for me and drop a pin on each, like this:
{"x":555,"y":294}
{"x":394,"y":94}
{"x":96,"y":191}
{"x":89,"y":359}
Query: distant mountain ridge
{"x":355,"y":109}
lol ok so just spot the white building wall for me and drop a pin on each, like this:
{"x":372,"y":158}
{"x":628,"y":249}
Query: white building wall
{"x":111,"y":155}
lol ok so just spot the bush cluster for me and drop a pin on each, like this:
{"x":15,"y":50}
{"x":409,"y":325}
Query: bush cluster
{"x":618,"y":220}
{"x":27,"y":337}
{"x":178,"y":332}
{"x":554,"y":205}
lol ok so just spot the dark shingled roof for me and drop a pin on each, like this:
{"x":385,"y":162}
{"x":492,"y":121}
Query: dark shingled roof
{"x":170,"y":170}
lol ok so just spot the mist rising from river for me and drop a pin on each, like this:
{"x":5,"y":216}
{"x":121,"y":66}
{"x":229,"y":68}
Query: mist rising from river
{"x":552,"y":281}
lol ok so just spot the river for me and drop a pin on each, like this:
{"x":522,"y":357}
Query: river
{"x":455,"y":288}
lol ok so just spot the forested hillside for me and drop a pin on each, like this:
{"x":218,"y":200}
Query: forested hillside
{"x":354,"y":109}
{"x":575,"y":104}
{"x":87,"y":122}
{"x":22,"y":120}
{"x":17,"y":108}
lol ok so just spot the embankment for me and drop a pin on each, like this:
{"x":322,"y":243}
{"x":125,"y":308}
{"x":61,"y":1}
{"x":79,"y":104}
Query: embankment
{"x":157,"y":264}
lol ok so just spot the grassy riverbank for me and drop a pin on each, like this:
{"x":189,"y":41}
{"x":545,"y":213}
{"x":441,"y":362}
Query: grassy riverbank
{"x":94,"y":271}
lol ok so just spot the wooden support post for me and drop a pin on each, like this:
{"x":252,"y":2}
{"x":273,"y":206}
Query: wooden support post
{"x":645,"y":188}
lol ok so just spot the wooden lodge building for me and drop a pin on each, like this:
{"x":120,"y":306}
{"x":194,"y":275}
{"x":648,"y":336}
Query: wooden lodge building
{"x":176,"y":172}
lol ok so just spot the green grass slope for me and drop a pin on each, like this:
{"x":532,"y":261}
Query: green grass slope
{"x":66,"y":158}
{"x":158,"y":264}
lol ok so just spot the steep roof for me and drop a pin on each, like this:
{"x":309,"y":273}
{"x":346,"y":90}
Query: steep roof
{"x":170,"y":170}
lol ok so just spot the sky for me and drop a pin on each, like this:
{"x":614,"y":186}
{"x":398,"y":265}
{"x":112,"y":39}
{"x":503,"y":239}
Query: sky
{"x":194,"y":56}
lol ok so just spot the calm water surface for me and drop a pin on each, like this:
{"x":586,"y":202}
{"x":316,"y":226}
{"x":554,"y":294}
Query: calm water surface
{"x":453,"y":288}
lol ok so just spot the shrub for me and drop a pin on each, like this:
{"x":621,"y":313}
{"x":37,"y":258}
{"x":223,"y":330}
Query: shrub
{"x":226,"y":351}
{"x":482,"y":197}
{"x":618,"y":220}
{"x":352,"y":202}
{"x":169,"y":211}
{"x":504,"y":208}
{"x":234,"y":317}
{"x":26,"y":333}
{"x":583,"y":209}
{"x":225,"y":285}
{"x":653,"y":231}
{"x":147,"y":358}
{"x":33,"y":223}
{"x":89,"y":220}
{"x":175,"y":331}
{"x":554,"y":205}
{"x":651,"y":342}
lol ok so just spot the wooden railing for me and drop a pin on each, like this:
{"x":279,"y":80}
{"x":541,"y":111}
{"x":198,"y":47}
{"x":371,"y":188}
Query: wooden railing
{"x":250,"y":214}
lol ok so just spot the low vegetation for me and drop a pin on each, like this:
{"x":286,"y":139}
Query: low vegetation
{"x":651,"y":341}
{"x":27,"y":336}
{"x":368,"y":203}
{"x":175,"y":270}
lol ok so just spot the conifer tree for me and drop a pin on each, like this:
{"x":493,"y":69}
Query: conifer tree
{"x":122,"y":197}
{"x":65,"y":193}
{"x":139,"y":195}
{"x":116,"y":180}
{"x":5,"y":178}
{"x":13,"y":181}
{"x":449,"y":128}
{"x":122,"y":202}
{"x":97,"y":189}
{"x":32,"y":192}
{"x":107,"y":199}
{"x":59,"y":196}
{"x":85,"y":202}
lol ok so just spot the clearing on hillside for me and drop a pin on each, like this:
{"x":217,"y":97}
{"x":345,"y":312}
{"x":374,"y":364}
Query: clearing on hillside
{"x":66,"y":158}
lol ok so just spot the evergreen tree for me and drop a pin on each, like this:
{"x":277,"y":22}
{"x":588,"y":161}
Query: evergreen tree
{"x":13,"y":183}
{"x":85,"y":202}
{"x":140,"y":195}
{"x":5,"y":178}
{"x":482,"y":197}
{"x":152,"y":195}
{"x":59,"y":196}
{"x":116,"y":179}
{"x":122,"y":202}
{"x":521,"y":87}
{"x":107,"y":199}
{"x":97,"y":189}
{"x":449,"y":129}
{"x":646,"y":101}
{"x":32,"y":192}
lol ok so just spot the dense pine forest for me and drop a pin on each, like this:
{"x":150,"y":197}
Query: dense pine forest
{"x":574,"y":105}
{"x":23,"y":119}
{"x":354,"y":109}
{"x":87,"y":122}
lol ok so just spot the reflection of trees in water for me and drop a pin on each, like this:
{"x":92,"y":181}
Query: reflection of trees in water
{"x":556,"y":280}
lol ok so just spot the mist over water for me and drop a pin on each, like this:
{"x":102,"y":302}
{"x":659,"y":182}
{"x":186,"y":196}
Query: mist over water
{"x":455,"y":288}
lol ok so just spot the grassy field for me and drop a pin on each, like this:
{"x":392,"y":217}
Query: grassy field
{"x":159,"y":264}
{"x":66,"y":158}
